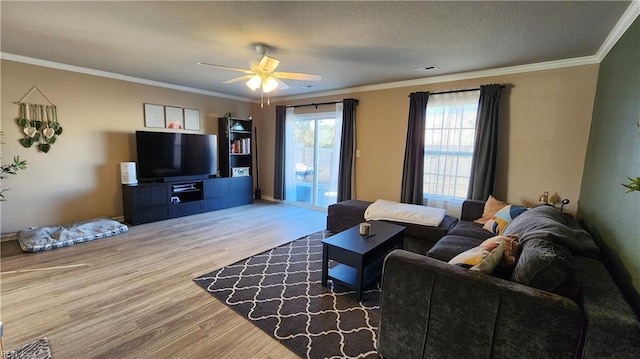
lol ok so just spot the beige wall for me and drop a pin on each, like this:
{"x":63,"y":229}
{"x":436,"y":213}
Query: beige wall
{"x":545,"y":119}
{"x":80,"y":177}
{"x":544,"y":130}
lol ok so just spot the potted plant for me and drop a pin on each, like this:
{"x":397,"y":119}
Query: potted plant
{"x":10,"y":169}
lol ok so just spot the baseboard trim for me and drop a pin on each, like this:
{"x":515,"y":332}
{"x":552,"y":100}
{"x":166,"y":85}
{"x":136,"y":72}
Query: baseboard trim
{"x":8,"y":237}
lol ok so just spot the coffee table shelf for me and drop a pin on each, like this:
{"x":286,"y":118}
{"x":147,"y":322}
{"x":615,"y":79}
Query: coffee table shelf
{"x":348,"y":276}
{"x":359,"y":259}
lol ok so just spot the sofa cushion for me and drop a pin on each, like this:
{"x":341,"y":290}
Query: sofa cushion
{"x":546,"y":265}
{"x":491,"y":207}
{"x":483,"y":258}
{"x":345,"y":214}
{"x":452,"y":245}
{"x":429,"y":233}
{"x":470,"y":229}
{"x":502,"y":218}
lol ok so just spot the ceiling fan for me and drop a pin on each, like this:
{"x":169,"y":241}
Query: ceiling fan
{"x":261,"y":73}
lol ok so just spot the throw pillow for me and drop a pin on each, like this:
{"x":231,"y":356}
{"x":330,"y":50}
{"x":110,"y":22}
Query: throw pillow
{"x":491,"y":206}
{"x":510,"y":245}
{"x":483,"y":258}
{"x":502,"y":218}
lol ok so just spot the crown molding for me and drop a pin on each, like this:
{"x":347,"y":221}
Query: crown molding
{"x":629,"y":16}
{"x":540,"y":66}
{"x":549,"y":65}
{"x":116,"y":76}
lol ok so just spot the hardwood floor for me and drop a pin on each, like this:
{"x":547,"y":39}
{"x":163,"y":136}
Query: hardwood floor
{"x":133,"y":295}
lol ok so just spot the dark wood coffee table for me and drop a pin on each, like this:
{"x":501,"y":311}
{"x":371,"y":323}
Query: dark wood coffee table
{"x":360,"y":259}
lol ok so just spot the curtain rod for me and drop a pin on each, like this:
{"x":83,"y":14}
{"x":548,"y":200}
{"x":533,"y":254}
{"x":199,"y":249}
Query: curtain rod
{"x":465,"y":90}
{"x":317,"y":104}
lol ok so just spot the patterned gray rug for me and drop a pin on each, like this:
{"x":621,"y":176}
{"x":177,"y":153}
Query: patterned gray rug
{"x":280,"y":291}
{"x":36,"y":350}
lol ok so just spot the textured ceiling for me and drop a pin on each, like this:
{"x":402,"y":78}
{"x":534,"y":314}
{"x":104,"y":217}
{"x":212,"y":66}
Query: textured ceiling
{"x":348,"y":43}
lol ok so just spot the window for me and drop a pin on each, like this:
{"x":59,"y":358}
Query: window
{"x":311,"y":158}
{"x":448,"y":146}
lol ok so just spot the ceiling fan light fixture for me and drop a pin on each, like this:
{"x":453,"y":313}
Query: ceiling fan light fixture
{"x":269,"y":84}
{"x":254,"y":82}
{"x":261,"y":74}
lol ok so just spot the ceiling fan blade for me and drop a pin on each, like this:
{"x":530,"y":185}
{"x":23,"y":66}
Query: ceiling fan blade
{"x":226,"y":67}
{"x":297,"y":76}
{"x":268,"y":64}
{"x":241,"y":78}
{"x":282,"y":85}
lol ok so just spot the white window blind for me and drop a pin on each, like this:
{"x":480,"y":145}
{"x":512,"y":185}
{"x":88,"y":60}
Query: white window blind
{"x":449,"y":145}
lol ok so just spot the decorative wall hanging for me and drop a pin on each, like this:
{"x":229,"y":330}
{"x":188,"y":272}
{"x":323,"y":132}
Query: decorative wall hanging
{"x":39,"y":122}
{"x":171,"y":117}
{"x":174,"y":117}
{"x":153,"y":115}
{"x":191,"y":119}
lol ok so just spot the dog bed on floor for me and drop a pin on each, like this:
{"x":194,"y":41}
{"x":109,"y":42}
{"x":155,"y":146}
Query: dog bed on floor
{"x":38,"y":239}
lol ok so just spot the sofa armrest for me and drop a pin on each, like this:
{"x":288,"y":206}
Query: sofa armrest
{"x":472,"y":209}
{"x":430,"y":308}
{"x":614,"y":329}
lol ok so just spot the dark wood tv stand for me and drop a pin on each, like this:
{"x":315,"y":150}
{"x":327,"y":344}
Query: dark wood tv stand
{"x":150,"y":202}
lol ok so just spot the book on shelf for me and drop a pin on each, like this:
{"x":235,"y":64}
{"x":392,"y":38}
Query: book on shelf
{"x":241,"y":146}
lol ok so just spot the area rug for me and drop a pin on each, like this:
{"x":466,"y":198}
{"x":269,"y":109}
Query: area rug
{"x":36,"y":350}
{"x":280,"y":291}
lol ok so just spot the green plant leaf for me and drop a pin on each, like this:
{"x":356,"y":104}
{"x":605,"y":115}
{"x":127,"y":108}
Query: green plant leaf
{"x":51,"y":140}
{"x":59,"y":130}
{"x":55,"y":126}
{"x":44,"y":147}
{"x":22,"y":122}
{"x":19,"y":164}
{"x":26,"y":142}
{"x":38,"y":125}
{"x":633,"y":185}
{"x":36,"y":137}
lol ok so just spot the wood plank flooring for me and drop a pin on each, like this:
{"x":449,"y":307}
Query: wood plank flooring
{"x":133,"y":295}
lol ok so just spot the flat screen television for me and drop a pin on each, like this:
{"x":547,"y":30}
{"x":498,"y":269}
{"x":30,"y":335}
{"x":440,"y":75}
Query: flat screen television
{"x":166,"y":156}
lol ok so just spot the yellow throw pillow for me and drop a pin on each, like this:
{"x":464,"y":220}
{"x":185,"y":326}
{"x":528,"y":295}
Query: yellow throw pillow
{"x":483,"y":258}
{"x":491,"y":207}
{"x":510,"y":245}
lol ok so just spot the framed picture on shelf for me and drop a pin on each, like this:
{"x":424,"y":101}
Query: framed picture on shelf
{"x":191,"y":119}
{"x":174,"y":117}
{"x":153,"y":115}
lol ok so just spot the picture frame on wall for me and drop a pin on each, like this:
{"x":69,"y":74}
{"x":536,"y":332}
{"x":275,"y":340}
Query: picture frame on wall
{"x":153,"y":115}
{"x":191,"y":119}
{"x":174,"y":117}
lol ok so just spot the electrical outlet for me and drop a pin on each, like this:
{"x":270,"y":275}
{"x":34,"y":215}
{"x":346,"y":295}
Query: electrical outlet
{"x":357,"y":153}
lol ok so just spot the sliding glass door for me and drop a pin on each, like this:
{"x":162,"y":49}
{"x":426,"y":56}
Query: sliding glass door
{"x":313,"y":142}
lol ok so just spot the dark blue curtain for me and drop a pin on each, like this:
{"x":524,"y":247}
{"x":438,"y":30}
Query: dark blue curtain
{"x":413,"y":170}
{"x":483,"y":165}
{"x":278,"y":174}
{"x":346,"y":167}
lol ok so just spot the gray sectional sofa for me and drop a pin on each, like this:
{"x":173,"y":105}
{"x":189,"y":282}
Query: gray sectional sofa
{"x":433,"y":309}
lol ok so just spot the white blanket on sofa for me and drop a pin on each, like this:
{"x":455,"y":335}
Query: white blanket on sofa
{"x":404,"y":213}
